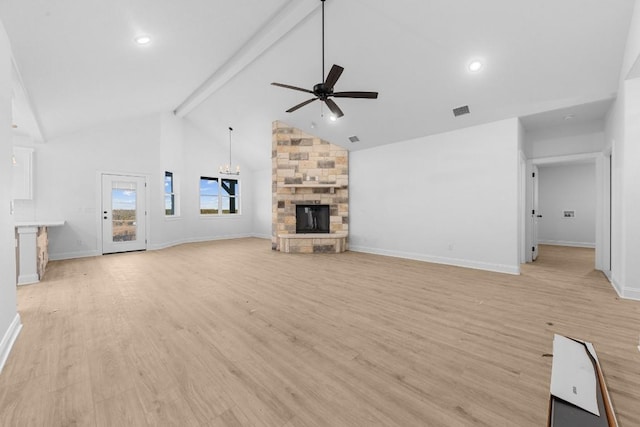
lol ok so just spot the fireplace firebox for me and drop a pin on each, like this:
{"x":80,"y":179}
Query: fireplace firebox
{"x":312,"y":219}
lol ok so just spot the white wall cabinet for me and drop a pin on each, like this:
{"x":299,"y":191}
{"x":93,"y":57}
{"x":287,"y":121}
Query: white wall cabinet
{"x":22,"y":187}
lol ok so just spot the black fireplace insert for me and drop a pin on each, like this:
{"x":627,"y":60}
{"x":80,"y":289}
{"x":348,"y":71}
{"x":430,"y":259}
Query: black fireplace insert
{"x":312,"y":219}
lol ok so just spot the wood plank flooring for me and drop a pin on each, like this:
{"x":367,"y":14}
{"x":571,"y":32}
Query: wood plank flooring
{"x":230,"y":333}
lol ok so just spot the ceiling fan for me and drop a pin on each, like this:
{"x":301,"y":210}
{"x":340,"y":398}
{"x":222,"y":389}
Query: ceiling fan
{"x":324,"y":91}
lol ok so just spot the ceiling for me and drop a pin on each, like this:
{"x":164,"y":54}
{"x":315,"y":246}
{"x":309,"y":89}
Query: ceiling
{"x":80,"y":66}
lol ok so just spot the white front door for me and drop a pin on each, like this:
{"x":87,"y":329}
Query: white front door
{"x":535,"y":214}
{"x":123,"y":213}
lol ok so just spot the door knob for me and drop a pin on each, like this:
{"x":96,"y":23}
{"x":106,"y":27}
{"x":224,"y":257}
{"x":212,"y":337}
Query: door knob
{"x":539,"y":216}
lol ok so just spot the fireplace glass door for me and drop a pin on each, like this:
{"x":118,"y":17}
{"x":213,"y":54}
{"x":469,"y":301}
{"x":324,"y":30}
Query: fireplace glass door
{"x":312,"y":219}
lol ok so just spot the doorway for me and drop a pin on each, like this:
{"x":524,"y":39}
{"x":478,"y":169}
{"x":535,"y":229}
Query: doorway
{"x":568,"y":215}
{"x":123,"y":213}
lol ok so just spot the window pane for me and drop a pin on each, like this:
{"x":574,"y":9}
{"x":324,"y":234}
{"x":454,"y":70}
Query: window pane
{"x":208,"y":195}
{"x":169,"y":206}
{"x":168,"y":182}
{"x":208,"y":205}
{"x":229,"y":187}
{"x":229,"y":205}
{"x":208,"y":186}
{"x":123,"y":212}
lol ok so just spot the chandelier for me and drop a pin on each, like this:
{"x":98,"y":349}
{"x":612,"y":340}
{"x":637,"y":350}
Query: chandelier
{"x":227,"y":169}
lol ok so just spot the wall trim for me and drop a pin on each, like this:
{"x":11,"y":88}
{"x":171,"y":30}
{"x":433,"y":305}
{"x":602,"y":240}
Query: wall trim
{"x":159,"y":246}
{"x":261,"y":236}
{"x":632,"y":294}
{"x":567,"y":243}
{"x":9,"y":339}
{"x":457,"y":262}
{"x":72,"y":255}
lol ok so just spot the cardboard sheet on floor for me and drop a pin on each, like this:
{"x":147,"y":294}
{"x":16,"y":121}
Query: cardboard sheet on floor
{"x":579,"y":397}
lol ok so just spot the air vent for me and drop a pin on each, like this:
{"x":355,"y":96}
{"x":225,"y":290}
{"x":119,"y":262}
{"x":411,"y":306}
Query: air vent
{"x":354,"y":138}
{"x":461,"y":110}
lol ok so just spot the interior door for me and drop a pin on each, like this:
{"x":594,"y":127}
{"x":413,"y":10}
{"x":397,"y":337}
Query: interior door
{"x":123,"y":213}
{"x":535,"y":213}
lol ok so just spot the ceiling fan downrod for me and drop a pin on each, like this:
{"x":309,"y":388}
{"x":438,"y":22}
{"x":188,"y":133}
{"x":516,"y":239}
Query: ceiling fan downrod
{"x":322,"y":40}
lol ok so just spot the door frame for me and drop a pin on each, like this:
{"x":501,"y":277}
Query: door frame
{"x":602,"y":203}
{"x":98,"y":201}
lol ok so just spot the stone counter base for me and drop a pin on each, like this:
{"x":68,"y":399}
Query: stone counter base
{"x":313,"y":243}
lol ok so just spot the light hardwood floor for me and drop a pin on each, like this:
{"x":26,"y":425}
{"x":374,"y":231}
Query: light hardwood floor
{"x":230,"y":333}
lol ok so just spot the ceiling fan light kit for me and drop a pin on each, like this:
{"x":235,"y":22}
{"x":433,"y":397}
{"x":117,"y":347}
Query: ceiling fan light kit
{"x":324,"y":91}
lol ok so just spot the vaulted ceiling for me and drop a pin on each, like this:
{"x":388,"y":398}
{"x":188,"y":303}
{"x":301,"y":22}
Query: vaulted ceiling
{"x":80,"y":65}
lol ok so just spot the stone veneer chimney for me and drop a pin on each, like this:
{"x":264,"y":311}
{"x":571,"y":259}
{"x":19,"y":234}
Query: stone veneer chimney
{"x":307,"y":170}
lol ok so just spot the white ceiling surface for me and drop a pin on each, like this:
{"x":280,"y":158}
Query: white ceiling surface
{"x":81,"y":67}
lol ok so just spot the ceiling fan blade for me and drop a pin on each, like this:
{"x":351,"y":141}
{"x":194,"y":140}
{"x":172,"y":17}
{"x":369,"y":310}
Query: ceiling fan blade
{"x":334,"y":75}
{"x":292,"y":87}
{"x":368,"y":95}
{"x":334,"y":108}
{"x":302,"y":104}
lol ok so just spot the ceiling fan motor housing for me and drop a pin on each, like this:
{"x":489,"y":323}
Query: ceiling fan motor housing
{"x":321,"y":91}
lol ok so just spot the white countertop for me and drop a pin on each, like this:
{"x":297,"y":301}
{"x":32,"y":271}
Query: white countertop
{"x":41,"y":223}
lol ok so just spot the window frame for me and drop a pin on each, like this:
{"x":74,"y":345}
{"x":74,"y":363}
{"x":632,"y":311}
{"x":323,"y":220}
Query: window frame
{"x":172,"y":193}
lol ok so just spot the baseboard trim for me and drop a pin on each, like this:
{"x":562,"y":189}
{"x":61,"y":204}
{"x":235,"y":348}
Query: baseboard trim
{"x":567,"y":243}
{"x":72,"y":255}
{"x":631,"y":293}
{"x":198,"y":240}
{"x":624,"y":293}
{"x":261,"y":236}
{"x":155,"y":247}
{"x":9,"y":339}
{"x":614,"y":284}
{"x":476,"y":265}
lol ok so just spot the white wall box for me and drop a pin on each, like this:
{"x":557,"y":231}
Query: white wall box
{"x":22,"y":188}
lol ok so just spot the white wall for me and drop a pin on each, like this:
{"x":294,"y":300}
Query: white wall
{"x":632,"y":48}
{"x":203,"y":156}
{"x":262,"y":203}
{"x":622,"y":136}
{"x":450,"y":198}
{"x":567,"y":187}
{"x":631,"y":190}
{"x":67,"y":185}
{"x":9,"y":319}
{"x":586,"y":137}
{"x":67,"y":178}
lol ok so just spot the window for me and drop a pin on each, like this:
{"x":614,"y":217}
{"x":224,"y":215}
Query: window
{"x":219,"y":196}
{"x":169,"y":195}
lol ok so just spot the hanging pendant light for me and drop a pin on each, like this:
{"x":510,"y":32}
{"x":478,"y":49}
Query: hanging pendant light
{"x":227,"y":169}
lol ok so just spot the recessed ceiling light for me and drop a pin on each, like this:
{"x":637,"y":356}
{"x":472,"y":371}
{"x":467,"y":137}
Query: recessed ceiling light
{"x":332,"y":117}
{"x":142,"y":40}
{"x":475,"y":66}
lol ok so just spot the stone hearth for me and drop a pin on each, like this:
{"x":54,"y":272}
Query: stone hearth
{"x":308,"y":171}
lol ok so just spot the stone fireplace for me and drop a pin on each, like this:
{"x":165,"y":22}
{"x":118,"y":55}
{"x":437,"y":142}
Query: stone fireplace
{"x":310,"y":193}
